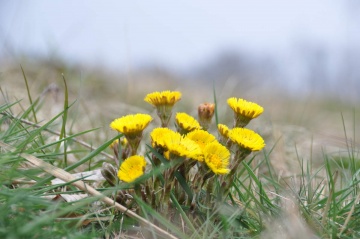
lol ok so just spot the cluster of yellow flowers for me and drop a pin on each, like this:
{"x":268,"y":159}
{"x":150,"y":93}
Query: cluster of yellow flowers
{"x":191,"y":150}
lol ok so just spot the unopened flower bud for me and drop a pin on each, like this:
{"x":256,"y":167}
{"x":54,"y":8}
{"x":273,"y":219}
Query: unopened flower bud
{"x":109,"y":172}
{"x":205,"y":113}
{"x":115,"y":147}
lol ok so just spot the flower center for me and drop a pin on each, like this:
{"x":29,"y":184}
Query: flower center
{"x":216,"y":161}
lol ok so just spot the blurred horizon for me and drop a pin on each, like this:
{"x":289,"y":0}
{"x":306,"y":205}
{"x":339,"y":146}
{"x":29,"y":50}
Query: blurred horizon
{"x":301,"y":46}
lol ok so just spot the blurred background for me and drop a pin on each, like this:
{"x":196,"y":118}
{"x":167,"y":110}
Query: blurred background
{"x":299,"y":59}
{"x":301,"y":46}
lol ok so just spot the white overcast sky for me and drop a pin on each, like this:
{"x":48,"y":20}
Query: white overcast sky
{"x":173,"y":33}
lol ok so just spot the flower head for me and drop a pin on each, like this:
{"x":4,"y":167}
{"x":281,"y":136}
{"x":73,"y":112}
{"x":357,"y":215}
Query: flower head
{"x":125,"y":148}
{"x":132,"y":168}
{"x":132,"y":127}
{"x":131,"y":124}
{"x":201,"y":137}
{"x":246,"y":139}
{"x":163,"y":98}
{"x":223,"y":130}
{"x":244,"y":111}
{"x":216,"y":157}
{"x":164,"y":102}
{"x":186,"y":123}
{"x":183,"y":147}
{"x":159,"y":137}
{"x":115,"y":144}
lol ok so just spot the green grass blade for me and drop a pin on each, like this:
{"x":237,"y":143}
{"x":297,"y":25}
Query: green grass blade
{"x":216,"y":105}
{"x":64,"y":120}
{"x":32,"y":106}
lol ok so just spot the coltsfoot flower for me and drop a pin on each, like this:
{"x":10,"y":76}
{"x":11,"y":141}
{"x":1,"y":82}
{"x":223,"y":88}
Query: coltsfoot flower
{"x":205,"y":114}
{"x":164,"y":102}
{"x":159,"y":137}
{"x":183,"y":147}
{"x":216,"y":157}
{"x":186,"y":123}
{"x":223,"y":130}
{"x":115,"y":144}
{"x":131,"y":124}
{"x":125,"y":149}
{"x":163,"y":98}
{"x":224,"y":135}
{"x":244,"y":111}
{"x":132,"y":127}
{"x":246,"y":139}
{"x":132,"y":168}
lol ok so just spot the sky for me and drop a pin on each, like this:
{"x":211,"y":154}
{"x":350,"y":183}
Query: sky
{"x":176,"y":34}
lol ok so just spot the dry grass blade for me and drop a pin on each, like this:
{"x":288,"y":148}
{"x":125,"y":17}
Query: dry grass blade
{"x":94,"y":175}
{"x":67,"y":177}
{"x":349,"y":215}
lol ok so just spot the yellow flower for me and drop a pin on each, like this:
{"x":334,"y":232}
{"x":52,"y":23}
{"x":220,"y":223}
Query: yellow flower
{"x":201,"y":137}
{"x":216,"y":157}
{"x":132,"y":127}
{"x":132,"y":168}
{"x":164,"y":102}
{"x":124,"y":148}
{"x":183,"y":147}
{"x":163,"y":98}
{"x":223,"y":130}
{"x":186,"y":123}
{"x":115,"y":143}
{"x":244,"y":111}
{"x":131,"y":124}
{"x":224,"y":135}
{"x":159,"y":136}
{"x":246,"y":139}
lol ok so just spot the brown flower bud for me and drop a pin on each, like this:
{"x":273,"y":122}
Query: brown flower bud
{"x":205,"y":113}
{"x":109,"y":172}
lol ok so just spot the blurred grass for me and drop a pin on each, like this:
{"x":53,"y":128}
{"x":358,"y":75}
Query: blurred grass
{"x":304,"y":184}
